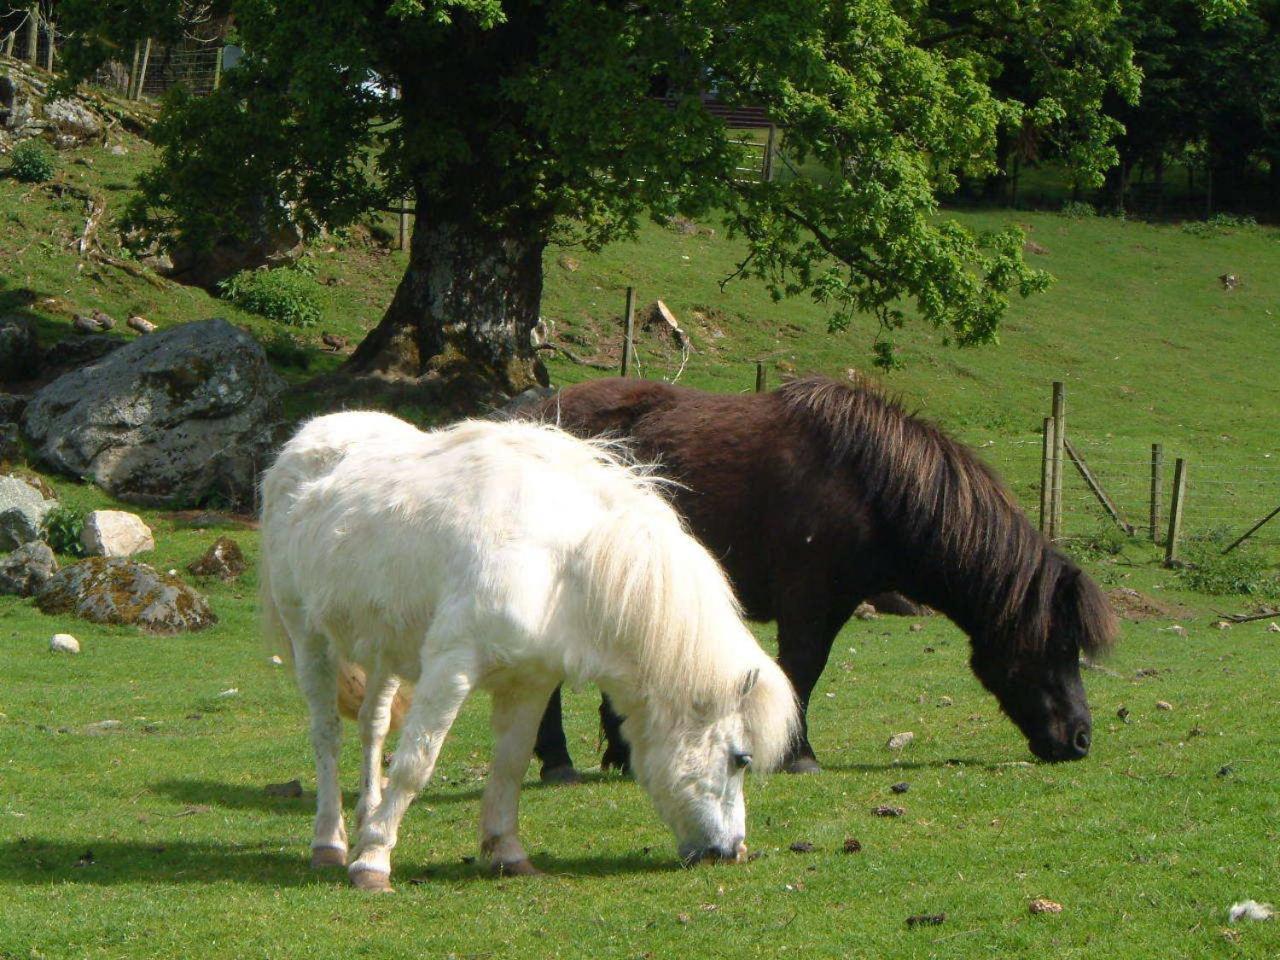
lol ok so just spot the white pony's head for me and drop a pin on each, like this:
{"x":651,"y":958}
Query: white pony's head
{"x":693,"y":762}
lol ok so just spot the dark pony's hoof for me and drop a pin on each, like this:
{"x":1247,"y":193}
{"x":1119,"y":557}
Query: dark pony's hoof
{"x":520,"y":868}
{"x":562,"y":774}
{"x":803,"y":765}
{"x":619,"y":760}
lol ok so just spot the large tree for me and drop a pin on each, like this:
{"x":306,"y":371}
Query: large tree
{"x":517,"y":123}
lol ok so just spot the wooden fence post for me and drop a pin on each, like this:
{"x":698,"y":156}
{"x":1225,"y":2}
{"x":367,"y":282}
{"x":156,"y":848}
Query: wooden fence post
{"x":768,"y":153}
{"x":217,"y":69}
{"x":33,"y":33}
{"x":1059,"y":438}
{"x":1175,"y":511}
{"x":760,"y":376}
{"x":142,"y":70}
{"x":1157,"y":489}
{"x":628,"y":331}
{"x":1046,"y":476}
{"x":133,"y":70}
{"x":403,"y":220}
{"x":9,"y":42}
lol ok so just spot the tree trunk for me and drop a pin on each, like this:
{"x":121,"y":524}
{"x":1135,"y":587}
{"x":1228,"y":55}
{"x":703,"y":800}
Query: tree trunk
{"x":462,"y":315}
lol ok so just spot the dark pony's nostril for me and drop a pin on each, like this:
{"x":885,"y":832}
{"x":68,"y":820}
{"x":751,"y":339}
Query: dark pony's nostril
{"x":1082,"y":740}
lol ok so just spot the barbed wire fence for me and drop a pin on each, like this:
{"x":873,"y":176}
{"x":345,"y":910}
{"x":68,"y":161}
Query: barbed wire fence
{"x":1221,"y":500}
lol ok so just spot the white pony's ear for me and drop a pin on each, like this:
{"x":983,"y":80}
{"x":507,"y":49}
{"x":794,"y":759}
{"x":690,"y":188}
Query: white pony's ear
{"x":749,"y":682}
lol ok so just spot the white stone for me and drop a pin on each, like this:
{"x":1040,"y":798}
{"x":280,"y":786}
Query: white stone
{"x":899,"y":740}
{"x":115,"y":533}
{"x":64,"y":643}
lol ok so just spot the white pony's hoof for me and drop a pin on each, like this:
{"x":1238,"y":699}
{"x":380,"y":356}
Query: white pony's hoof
{"x":518,"y":868}
{"x":371,"y":881}
{"x":324,"y":857}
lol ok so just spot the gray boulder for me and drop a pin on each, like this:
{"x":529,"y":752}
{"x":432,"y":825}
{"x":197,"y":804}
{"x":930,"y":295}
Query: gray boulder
{"x":10,"y":449}
{"x":119,"y":591}
{"x":73,"y":121}
{"x":27,"y":569}
{"x":22,"y":510}
{"x":19,"y":350}
{"x":170,"y":419}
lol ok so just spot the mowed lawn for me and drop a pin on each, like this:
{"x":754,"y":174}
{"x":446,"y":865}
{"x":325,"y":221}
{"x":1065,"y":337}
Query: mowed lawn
{"x":157,"y":839}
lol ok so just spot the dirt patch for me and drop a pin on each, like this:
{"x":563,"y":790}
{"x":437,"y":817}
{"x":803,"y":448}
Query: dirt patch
{"x":1132,"y":605}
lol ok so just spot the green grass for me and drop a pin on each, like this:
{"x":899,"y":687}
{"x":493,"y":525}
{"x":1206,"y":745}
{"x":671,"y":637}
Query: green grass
{"x":1144,"y":844}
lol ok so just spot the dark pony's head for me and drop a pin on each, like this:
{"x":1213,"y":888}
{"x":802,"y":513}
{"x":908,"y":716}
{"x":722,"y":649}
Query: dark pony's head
{"x":1031,"y":661}
{"x":964,"y":547}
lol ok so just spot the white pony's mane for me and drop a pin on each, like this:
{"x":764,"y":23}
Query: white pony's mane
{"x":658,"y":609}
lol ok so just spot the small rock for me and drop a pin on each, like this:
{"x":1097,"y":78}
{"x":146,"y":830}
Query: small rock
{"x":1273,"y":627}
{"x":1223,"y":625}
{"x":1163,"y":705}
{"x":64,"y":643}
{"x":118,"y":150}
{"x":899,"y":740}
{"x":945,"y":701}
{"x":276,"y":661}
{"x":926,"y":919}
{"x":104,"y":320}
{"x":1250,"y":910}
{"x":917,"y":627}
{"x":229,"y":693}
{"x":885,"y":810}
{"x":292,"y":789}
{"x":1178,"y":629}
{"x":140,"y":324}
{"x":801,"y":846}
{"x":1226,"y":770}
{"x":83,"y":324}
{"x":120,"y":591}
{"x":103,"y":726}
{"x":865,"y":611}
{"x":569,"y":263}
{"x":115,"y":533}
{"x":1041,"y":905}
{"x":1123,"y":714}
{"x":224,"y":560}
{"x":852,"y":845}
{"x":900,"y":787}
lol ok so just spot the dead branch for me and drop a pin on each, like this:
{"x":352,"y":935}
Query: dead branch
{"x":574,"y":358}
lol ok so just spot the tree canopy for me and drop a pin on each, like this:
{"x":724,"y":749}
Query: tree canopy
{"x":514,"y":123}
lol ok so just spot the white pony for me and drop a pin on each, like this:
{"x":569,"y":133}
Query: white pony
{"x":507,"y":556}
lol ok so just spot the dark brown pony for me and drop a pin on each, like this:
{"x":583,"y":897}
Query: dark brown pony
{"x":819,"y":495}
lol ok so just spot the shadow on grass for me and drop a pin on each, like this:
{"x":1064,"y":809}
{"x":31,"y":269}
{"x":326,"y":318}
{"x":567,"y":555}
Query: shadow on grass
{"x":254,"y":797}
{"x":34,"y":861}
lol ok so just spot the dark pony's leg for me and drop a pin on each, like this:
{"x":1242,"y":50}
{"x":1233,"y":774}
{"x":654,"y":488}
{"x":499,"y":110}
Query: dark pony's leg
{"x":552,"y":748}
{"x":806,"y":631}
{"x":617,"y":754}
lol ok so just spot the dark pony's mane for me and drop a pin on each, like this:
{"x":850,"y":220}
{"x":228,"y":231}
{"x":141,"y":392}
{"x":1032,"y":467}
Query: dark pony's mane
{"x":949,"y":505}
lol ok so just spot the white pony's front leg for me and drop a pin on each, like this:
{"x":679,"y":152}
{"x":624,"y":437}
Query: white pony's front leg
{"x":441,"y":690}
{"x":317,"y":670}
{"x":516,"y":712}
{"x":375,"y":721}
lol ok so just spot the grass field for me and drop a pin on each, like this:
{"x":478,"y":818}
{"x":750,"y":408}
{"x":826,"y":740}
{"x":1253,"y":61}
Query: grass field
{"x":157,"y":839}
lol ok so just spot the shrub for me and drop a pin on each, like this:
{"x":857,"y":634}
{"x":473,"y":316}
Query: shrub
{"x":32,"y":162}
{"x":1242,"y":571}
{"x":62,"y":529}
{"x":286,"y":295}
{"x":1218,"y":225}
{"x":1078,"y":210}
{"x":285,"y":351}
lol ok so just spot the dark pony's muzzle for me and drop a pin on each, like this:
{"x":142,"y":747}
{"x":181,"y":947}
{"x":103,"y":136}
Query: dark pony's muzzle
{"x":1076,"y":747}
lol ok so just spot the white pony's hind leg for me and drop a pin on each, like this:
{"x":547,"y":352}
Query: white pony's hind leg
{"x":375,"y":721}
{"x":317,"y":669}
{"x":440,"y":691}
{"x":516,"y":712}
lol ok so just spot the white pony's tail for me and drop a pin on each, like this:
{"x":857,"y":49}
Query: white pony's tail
{"x":658,"y":600}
